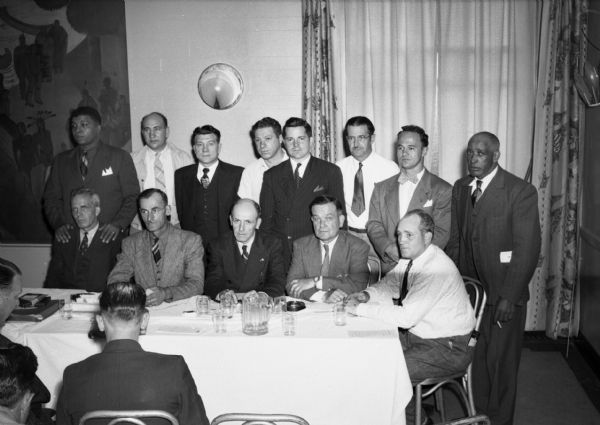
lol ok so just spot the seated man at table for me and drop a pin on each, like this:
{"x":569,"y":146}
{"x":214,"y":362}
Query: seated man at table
{"x":17,"y":374}
{"x":245,"y":259}
{"x":85,"y":260}
{"x":432,"y":304}
{"x":330,"y":264}
{"x":10,"y":289}
{"x":165,"y":260}
{"x":124,"y":376}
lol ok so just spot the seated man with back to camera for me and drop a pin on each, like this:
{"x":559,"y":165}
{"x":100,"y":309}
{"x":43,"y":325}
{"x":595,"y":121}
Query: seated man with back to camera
{"x":165,"y":260}
{"x":330,"y":264}
{"x":124,"y":376}
{"x":433,"y":305}
{"x":85,"y":261}
{"x":17,"y":375}
{"x":245,"y":259}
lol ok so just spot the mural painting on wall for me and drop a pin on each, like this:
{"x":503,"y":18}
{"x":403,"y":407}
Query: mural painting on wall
{"x":55,"y":55}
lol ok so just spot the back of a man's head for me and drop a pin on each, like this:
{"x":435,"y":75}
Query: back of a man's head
{"x":10,"y":288}
{"x":122,"y":308}
{"x":18,"y":365}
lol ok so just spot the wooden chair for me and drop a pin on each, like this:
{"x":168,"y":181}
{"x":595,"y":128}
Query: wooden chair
{"x":461,"y":382}
{"x":128,"y":416}
{"x":258,"y":419}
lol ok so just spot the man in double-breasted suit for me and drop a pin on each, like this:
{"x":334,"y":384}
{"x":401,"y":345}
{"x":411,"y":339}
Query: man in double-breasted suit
{"x":414,"y":188}
{"x":290,"y":187}
{"x":124,"y":376}
{"x":495,"y":237}
{"x":245,"y":259}
{"x":107,"y":170}
{"x":168,"y":262}
{"x":84,"y":262}
{"x":205,"y":193}
{"x":330,"y":264}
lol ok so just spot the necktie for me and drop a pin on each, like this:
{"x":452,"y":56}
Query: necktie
{"x":476,"y":193}
{"x":406,"y":178}
{"x":358,"y":200}
{"x":155,"y":250}
{"x":159,"y":173}
{"x":83,"y":246}
{"x":404,"y":289}
{"x":245,"y":252}
{"x":297,"y":177}
{"x":83,"y":166}
{"x":205,"y":180}
{"x":325,"y":265}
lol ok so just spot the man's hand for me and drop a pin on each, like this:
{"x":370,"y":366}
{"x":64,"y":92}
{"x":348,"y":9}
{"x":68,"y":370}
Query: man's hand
{"x":504,"y":311}
{"x":156,"y":297}
{"x":336,"y":296}
{"x":109,"y":232}
{"x":392,"y":253}
{"x":355,"y":299}
{"x":62,"y":233}
{"x":300,"y":285}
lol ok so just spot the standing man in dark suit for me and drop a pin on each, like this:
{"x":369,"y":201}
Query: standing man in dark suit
{"x":84,"y":262}
{"x":107,"y":170}
{"x":290,"y":187}
{"x":123,"y":375}
{"x":332,"y":263}
{"x":414,"y":188}
{"x":495,"y":237}
{"x":205,"y":193}
{"x":245,"y":259}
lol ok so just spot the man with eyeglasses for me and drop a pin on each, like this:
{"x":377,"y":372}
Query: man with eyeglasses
{"x":289,"y":188}
{"x":156,"y":162}
{"x":168,"y":262}
{"x":414,"y":188}
{"x":330,"y":264}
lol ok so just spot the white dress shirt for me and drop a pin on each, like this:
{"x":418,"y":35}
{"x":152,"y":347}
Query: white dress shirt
{"x":406,"y":192}
{"x":484,"y":181}
{"x":252,"y":178}
{"x":302,"y":168}
{"x":437,"y":304}
{"x":375,"y":169}
{"x":247,"y":243}
{"x":211,"y":171}
{"x":167,"y":164}
{"x":90,"y":233}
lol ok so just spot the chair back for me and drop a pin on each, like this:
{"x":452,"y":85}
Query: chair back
{"x":258,"y":419}
{"x":128,"y":416}
{"x":471,"y":420}
{"x":478,"y":298}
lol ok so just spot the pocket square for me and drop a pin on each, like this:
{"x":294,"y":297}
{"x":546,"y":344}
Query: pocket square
{"x":107,"y":172}
{"x":429,"y":203}
{"x":262,"y":260}
{"x":318,"y":188}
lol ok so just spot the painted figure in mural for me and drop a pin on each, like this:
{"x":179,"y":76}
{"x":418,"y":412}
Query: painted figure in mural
{"x":21,"y":66}
{"x":60,"y":38}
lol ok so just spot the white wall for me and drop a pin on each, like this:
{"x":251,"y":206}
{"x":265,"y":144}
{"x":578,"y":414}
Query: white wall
{"x":170,"y":42}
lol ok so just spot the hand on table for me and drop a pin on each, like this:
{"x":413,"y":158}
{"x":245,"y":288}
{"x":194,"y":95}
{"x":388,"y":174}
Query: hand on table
{"x":109,"y":232}
{"x":156,"y":297}
{"x":504,"y":311}
{"x":354,"y":300}
{"x":336,"y":296}
{"x":62,"y":233}
{"x":297,"y":286}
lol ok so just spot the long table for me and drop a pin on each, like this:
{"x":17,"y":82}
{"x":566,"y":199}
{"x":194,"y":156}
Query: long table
{"x":353,"y":374}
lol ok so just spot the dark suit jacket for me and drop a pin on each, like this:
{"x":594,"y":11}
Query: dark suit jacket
{"x":182,"y":264}
{"x":432,"y":195}
{"x":63,"y":264}
{"x":348,"y":269}
{"x":264,"y":270}
{"x":118,"y":188}
{"x":227,"y":178}
{"x":505,"y":219}
{"x":125,"y":377}
{"x":285,"y":211}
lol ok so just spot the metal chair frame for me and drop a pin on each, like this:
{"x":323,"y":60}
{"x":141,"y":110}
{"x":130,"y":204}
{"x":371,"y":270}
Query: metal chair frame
{"x":128,"y":416}
{"x":258,"y":419}
{"x":471,"y":420}
{"x":374,"y":266}
{"x":461,"y":382}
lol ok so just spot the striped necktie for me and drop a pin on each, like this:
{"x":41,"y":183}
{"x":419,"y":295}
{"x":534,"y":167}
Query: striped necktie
{"x":159,"y":173}
{"x":245,"y":254}
{"x":83,"y":246}
{"x":476,"y":193}
{"x":297,"y":178}
{"x":205,"y":180}
{"x":83,"y":165}
{"x":358,"y":200}
{"x":325,"y":265}
{"x":155,"y":250}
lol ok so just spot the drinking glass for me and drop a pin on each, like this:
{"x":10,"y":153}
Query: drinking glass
{"x":202,"y":304}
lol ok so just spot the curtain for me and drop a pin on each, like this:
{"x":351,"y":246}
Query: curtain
{"x":318,"y":107}
{"x":558,"y":140}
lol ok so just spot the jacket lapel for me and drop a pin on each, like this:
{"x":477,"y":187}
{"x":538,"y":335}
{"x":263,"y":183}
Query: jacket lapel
{"x":287,"y":180}
{"x":256,"y":261}
{"x":489,"y":200}
{"x":313,"y":260}
{"x":100,"y":162}
{"x":392,"y":203}
{"x":336,"y":264}
{"x":422,"y":193}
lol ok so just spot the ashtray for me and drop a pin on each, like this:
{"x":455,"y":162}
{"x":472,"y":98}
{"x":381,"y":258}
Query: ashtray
{"x":295,"y":305}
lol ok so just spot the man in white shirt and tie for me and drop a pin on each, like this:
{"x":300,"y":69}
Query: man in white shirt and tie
{"x":413,"y":188}
{"x":156,"y":162}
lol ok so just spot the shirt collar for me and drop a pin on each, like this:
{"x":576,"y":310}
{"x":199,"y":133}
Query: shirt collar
{"x":331,"y":244}
{"x":485,"y":181}
{"x":90,"y":233}
{"x":418,"y":176}
{"x":247,"y":243}
{"x":304,"y":163}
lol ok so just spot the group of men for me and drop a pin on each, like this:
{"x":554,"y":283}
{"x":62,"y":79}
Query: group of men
{"x":293,"y":223}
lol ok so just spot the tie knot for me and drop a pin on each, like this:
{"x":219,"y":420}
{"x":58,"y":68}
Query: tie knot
{"x":406,"y":178}
{"x":360,"y":164}
{"x":298,"y":165}
{"x":479,"y":183}
{"x":326,"y":247}
{"x":205,"y":171}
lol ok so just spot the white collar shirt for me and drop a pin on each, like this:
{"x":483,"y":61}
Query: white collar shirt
{"x":211,"y":171}
{"x":166,"y":160}
{"x":247,"y":243}
{"x":406,"y":192}
{"x":252,"y":178}
{"x":91,"y":233}
{"x":485,"y":182}
{"x":302,"y":168}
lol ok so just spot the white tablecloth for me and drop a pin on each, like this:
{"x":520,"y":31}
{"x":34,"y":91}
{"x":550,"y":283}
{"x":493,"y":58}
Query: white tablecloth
{"x":353,"y":374}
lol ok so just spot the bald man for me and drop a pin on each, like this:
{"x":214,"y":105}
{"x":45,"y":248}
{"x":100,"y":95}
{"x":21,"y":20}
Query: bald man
{"x":245,"y":259}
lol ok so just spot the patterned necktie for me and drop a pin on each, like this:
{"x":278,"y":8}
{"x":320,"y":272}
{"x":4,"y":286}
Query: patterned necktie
{"x":404,"y":289}
{"x":159,"y":173}
{"x":83,"y":246}
{"x":297,"y":177}
{"x":245,"y":252}
{"x":205,"y":180}
{"x":155,"y":250}
{"x":476,"y":193}
{"x":406,"y":178}
{"x":83,"y":165}
{"x":358,"y":200}
{"x":325,"y":265}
